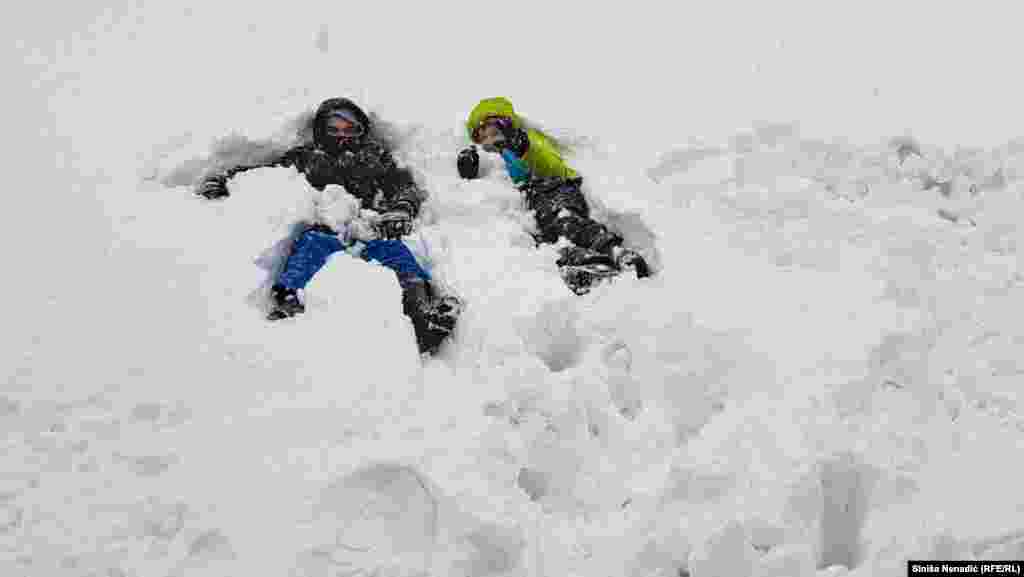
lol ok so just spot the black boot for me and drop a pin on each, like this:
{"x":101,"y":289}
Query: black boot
{"x":437,"y":322}
{"x":286,"y":303}
{"x":433,"y":318}
{"x":582,"y":268}
{"x":626,"y":259}
{"x":442,"y":313}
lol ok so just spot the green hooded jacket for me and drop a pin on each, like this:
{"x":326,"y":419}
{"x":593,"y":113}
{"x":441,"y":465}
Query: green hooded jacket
{"x":543,"y":157}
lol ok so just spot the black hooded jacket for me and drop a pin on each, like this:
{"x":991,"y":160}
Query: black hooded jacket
{"x":364,"y":166}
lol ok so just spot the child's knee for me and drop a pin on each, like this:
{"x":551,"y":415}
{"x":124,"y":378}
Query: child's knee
{"x":395,"y":255}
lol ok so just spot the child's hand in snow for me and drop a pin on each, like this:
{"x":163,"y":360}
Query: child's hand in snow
{"x":213,"y":186}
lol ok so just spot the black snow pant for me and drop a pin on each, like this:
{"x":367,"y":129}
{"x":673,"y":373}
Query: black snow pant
{"x":416,"y":296}
{"x":561,"y":210}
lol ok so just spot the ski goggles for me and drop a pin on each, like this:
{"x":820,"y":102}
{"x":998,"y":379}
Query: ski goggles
{"x":490,"y":130}
{"x":341,"y":126}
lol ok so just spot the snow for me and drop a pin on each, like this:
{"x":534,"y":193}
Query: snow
{"x":822,"y":379}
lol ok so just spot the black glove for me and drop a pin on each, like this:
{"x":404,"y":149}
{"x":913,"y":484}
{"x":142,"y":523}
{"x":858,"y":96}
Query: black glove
{"x":213,"y":186}
{"x":516,"y":140}
{"x":394,"y":225}
{"x":469,"y":163}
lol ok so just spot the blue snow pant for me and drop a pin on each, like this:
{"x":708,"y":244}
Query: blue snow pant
{"x":316,"y":244}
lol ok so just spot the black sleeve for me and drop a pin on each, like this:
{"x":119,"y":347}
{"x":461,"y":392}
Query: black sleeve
{"x":401,"y":191}
{"x":215,"y":184}
{"x":292,"y":157}
{"x":398,"y":185}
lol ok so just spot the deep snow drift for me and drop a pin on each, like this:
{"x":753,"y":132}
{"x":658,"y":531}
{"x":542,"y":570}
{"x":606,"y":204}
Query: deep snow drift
{"x":823,"y":379}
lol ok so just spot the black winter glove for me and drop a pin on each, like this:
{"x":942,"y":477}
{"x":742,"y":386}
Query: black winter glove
{"x":469,"y":163}
{"x":395,"y":224}
{"x":515,"y":140}
{"x":213,"y":186}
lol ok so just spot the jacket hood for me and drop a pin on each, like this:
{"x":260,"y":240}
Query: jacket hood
{"x":498,"y":106}
{"x":323,"y":112}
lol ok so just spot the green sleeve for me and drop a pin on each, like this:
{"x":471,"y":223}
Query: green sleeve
{"x":544,"y":158}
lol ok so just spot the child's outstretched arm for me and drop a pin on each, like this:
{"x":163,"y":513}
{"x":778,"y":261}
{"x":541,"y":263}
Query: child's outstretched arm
{"x":215,"y":184}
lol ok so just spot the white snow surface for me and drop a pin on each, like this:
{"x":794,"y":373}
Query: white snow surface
{"x":823,"y":379}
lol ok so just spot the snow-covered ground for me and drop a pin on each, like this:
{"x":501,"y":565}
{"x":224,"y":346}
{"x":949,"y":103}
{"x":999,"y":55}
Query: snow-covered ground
{"x":823,"y":379}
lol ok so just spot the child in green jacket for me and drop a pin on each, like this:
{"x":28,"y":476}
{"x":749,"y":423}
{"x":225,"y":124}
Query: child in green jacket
{"x":552,"y":191}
